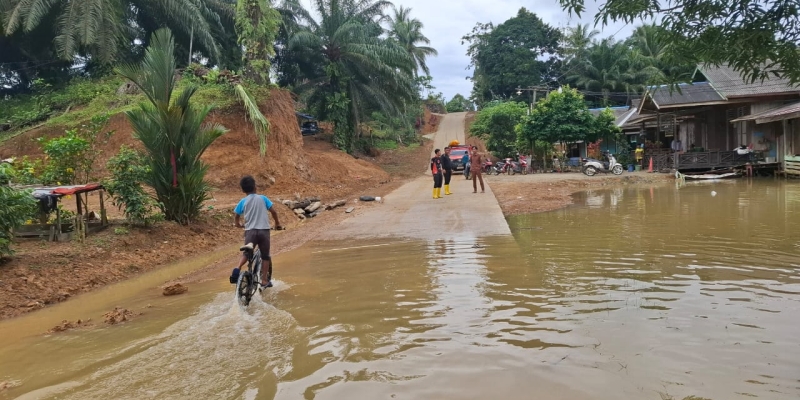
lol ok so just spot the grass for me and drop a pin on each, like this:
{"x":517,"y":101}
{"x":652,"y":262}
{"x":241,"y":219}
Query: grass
{"x":386,"y":144}
{"x":81,"y":99}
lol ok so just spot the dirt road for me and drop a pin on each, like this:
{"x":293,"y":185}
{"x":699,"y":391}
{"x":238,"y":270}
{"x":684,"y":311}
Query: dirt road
{"x":411,"y":212}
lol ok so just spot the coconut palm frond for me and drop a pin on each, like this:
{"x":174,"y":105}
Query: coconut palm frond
{"x":260,"y":122}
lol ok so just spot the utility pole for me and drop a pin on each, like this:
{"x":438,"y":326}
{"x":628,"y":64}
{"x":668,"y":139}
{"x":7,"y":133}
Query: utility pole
{"x":535,"y":90}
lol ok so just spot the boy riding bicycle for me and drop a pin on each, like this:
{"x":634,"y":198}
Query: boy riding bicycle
{"x":253,"y":208}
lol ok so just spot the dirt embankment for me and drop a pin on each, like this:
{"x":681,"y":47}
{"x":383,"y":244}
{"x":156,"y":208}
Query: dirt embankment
{"x":525,"y":194}
{"x":43,"y":273}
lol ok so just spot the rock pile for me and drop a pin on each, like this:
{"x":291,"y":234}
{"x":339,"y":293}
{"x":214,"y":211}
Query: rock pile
{"x":310,"y":207}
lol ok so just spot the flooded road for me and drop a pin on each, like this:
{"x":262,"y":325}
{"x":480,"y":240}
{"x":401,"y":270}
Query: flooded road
{"x":658,"y":293}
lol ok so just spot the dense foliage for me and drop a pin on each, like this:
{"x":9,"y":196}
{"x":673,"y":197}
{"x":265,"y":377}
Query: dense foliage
{"x":129,"y":170}
{"x":522,"y":51}
{"x":362,"y":69}
{"x":757,"y":38}
{"x":495,"y":124}
{"x":171,"y":128}
{"x":563,"y":117}
{"x":17,"y":206}
{"x":458,"y":103}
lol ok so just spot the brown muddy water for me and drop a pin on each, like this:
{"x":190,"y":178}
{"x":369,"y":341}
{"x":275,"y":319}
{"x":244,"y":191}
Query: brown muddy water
{"x":642,"y":293}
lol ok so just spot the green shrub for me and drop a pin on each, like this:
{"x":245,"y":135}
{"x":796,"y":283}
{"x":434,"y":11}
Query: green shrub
{"x":128,"y":172}
{"x":63,"y":155}
{"x":18,"y":205}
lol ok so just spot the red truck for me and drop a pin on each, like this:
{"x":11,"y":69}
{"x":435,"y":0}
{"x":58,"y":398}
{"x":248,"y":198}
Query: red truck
{"x":456,"y":154}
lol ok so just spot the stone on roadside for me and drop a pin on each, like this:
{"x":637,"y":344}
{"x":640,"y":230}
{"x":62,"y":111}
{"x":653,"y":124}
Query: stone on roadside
{"x":299,"y":211}
{"x":175,"y":289}
{"x":349,"y":210}
{"x":313,"y":207}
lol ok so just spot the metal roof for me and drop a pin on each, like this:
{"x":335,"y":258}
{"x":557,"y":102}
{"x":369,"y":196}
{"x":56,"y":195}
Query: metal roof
{"x":621,"y":114}
{"x":730,"y":83}
{"x":685,"y":94}
{"x":788,"y":111}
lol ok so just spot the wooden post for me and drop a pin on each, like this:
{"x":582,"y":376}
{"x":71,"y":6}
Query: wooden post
{"x":58,"y":221}
{"x":78,"y":200}
{"x":103,"y":218}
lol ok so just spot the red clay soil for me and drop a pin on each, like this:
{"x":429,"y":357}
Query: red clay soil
{"x":42,"y":273}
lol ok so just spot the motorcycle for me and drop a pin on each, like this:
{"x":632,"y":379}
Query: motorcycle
{"x":591,"y":166}
{"x":511,"y":167}
{"x":499,"y":168}
{"x":487,"y":167}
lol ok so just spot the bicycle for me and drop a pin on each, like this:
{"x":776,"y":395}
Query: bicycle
{"x":248,"y":282}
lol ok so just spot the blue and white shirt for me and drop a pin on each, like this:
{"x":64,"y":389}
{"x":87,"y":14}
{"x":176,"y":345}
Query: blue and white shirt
{"x":254,"y":209}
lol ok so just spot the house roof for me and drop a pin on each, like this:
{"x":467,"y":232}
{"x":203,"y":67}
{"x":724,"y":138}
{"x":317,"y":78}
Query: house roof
{"x":730,"y":83}
{"x":787,"y":111}
{"x":621,"y":114}
{"x":686,"y":93}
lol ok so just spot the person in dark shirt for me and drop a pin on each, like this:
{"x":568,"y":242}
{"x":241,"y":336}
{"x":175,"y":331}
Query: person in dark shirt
{"x":436,"y":171}
{"x":447,"y":166}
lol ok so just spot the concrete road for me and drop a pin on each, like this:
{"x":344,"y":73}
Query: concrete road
{"x":411,"y":212}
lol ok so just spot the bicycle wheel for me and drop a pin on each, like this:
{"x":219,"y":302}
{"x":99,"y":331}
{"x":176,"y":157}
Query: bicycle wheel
{"x":244,"y":288}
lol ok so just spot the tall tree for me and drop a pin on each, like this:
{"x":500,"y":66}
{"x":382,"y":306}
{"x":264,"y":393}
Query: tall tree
{"x":522,"y":51}
{"x":495,"y":124}
{"x":408,"y":32}
{"x":361,"y":68}
{"x":576,"y":41}
{"x":458,"y":103}
{"x":653,"y":50}
{"x":610,"y":68}
{"x":561,"y":117}
{"x":172,"y":130}
{"x":757,"y":38}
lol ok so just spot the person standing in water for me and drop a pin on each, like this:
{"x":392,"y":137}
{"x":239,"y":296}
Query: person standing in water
{"x":436,"y":171}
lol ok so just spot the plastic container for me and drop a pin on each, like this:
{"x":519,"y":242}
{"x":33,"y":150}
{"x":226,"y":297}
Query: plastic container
{"x":638,"y":168}
{"x":630,"y":167}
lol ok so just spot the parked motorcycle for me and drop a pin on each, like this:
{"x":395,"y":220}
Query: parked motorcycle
{"x":487,"y":167}
{"x":591,"y":166}
{"x":499,"y":168}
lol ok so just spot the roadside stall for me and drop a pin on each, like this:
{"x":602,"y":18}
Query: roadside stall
{"x":64,"y":227}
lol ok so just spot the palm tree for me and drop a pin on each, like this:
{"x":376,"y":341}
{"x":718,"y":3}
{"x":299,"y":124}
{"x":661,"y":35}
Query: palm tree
{"x":361,"y":67}
{"x":103,"y":28}
{"x":408,"y":32}
{"x":577,"y":40}
{"x":172,"y":131}
{"x":649,"y":42}
{"x":610,"y":67}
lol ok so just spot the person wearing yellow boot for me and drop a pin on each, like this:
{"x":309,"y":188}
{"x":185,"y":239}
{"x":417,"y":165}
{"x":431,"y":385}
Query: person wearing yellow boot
{"x":447,"y":166}
{"x":436,"y":170}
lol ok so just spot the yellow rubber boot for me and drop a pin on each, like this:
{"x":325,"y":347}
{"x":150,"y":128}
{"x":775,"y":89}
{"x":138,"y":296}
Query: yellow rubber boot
{"x":438,"y":193}
{"x":447,"y":189}
{"x":434,"y":193}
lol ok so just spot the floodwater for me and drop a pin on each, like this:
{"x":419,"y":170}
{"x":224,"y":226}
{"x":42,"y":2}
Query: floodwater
{"x":641,"y":293}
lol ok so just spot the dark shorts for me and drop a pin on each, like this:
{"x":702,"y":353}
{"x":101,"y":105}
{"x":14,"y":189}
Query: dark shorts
{"x":260,"y":238}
